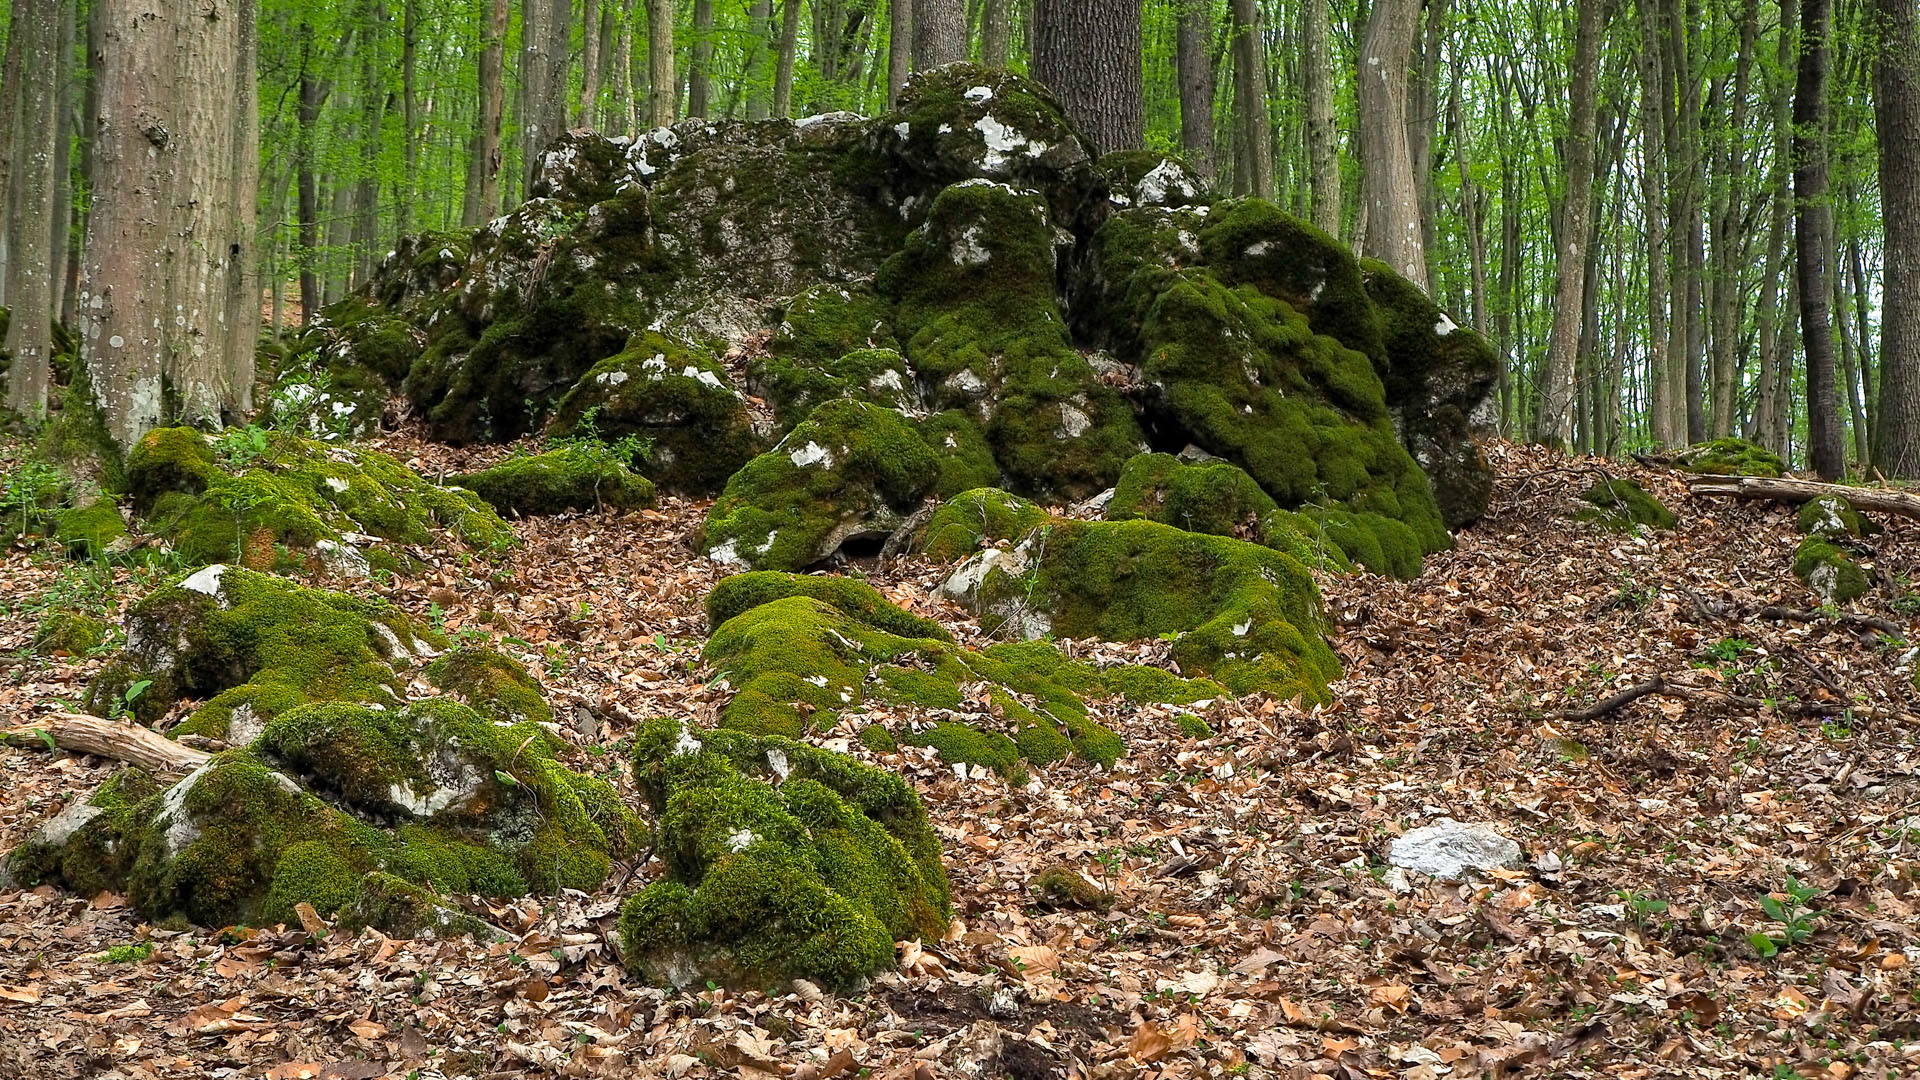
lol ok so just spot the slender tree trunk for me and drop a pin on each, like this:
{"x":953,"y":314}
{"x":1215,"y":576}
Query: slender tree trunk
{"x":373,"y":102}
{"x":700,"y":60}
{"x":545,"y":34}
{"x":1088,"y":53}
{"x":62,"y":164}
{"x":662,"y":88}
{"x":1896,"y":449}
{"x":243,"y":264}
{"x":1554,"y":424}
{"x":207,"y":73}
{"x":939,"y":33}
{"x":996,"y":33}
{"x":10,"y":129}
{"x":899,"y":47}
{"x":483,"y":162}
{"x":1254,"y":135}
{"x":590,"y":52}
{"x":1653,"y":207}
{"x":1193,"y":38}
{"x":1849,"y":370}
{"x":759,"y":91}
{"x":1323,"y":140}
{"x":621,"y":111}
{"x":1394,"y":233}
{"x":1813,"y":235}
{"x":30,"y":218}
{"x":783,"y":64}
{"x":409,"y":115}
{"x":1421,"y":97}
{"x":1863,"y":349}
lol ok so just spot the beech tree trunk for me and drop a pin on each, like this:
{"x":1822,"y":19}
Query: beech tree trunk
{"x":899,"y":47}
{"x":206,"y":89}
{"x":1255,"y":132}
{"x":1088,"y":53}
{"x":1813,"y":236}
{"x":1388,"y":188}
{"x":939,"y":33}
{"x":783,"y":65}
{"x":590,"y":53}
{"x":996,"y":33}
{"x":1653,"y":213}
{"x":759,"y":92}
{"x":546,"y":28}
{"x":700,"y":60}
{"x":1896,"y":449}
{"x":1553,"y":424}
{"x":1323,"y":149}
{"x":1193,"y":59}
{"x":483,"y":159}
{"x":662,"y":89}
{"x":31,"y":215}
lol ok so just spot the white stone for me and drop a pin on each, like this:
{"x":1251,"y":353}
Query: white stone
{"x":205,"y":580}
{"x":180,"y":829}
{"x":728,"y":554}
{"x":971,"y":249}
{"x":777,"y":761}
{"x":979,"y":93}
{"x":611,"y":378}
{"x":812,"y":454}
{"x":741,"y":839}
{"x":1447,"y":849}
{"x":1445,"y":326}
{"x":1073,"y":422}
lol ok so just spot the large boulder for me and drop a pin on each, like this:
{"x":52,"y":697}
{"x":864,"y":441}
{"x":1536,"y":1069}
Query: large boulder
{"x":583,"y":475}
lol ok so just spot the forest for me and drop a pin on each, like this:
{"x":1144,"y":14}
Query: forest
{"x":959,"y":538}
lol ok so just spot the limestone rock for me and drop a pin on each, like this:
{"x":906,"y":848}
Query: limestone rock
{"x":1448,"y":849}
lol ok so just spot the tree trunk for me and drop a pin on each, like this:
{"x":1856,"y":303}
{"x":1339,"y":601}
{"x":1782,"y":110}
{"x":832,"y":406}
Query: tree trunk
{"x":1730,"y":246}
{"x":996,"y":33}
{"x":243,"y":263}
{"x":1254,"y":130}
{"x":1813,"y":236}
{"x":1194,"y":67}
{"x":124,"y":281}
{"x":1554,"y":423}
{"x":30,"y":218}
{"x":1896,"y":449}
{"x":1323,"y":140}
{"x":1088,"y":53}
{"x":409,"y":115}
{"x":1394,"y":232}
{"x":783,"y":64}
{"x":483,"y":161}
{"x":1653,"y":207}
{"x":939,"y":32}
{"x":662,"y":89}
{"x":10,"y":128}
{"x":116,"y":740}
{"x":545,"y":36}
{"x":373,"y":102}
{"x":590,"y":52}
{"x":1885,"y":500}
{"x":700,"y":60}
{"x":759,"y":92}
{"x":206,"y":77}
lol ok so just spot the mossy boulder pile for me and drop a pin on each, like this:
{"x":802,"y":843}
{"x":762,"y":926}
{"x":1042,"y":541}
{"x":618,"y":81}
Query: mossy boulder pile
{"x":783,"y":861}
{"x":333,"y":789}
{"x":964,"y":262}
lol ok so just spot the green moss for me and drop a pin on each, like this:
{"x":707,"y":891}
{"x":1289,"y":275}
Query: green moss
{"x":493,"y":684}
{"x":93,"y":530}
{"x":827,"y":322}
{"x":672,"y":393}
{"x":1245,"y":615}
{"x":1833,"y":518}
{"x":1732,"y":457}
{"x":1143,"y":683}
{"x":236,"y":638}
{"x":1060,"y":886}
{"x":1620,"y":504}
{"x":743,"y":592}
{"x":87,"y":853}
{"x":972,"y":519}
{"x":1829,"y":571}
{"x":402,"y":909}
{"x":573,"y":477}
{"x":964,"y":743}
{"x":1193,"y":727}
{"x":75,"y":435}
{"x":878,"y":739}
{"x":310,"y":872}
{"x":73,"y":633}
{"x":966,"y":460}
{"x":813,"y":878}
{"x":974,"y":292}
{"x":1252,"y":242}
{"x":1220,"y":499}
{"x":169,"y":460}
{"x":851,"y":470}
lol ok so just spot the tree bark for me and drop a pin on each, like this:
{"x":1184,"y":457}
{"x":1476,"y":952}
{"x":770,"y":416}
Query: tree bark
{"x":1193,"y":61}
{"x":939,"y":33}
{"x":1088,"y":53}
{"x":590,"y":53}
{"x":1896,"y":449}
{"x":1323,"y":140}
{"x":116,"y":740}
{"x":662,"y":89}
{"x":996,"y":33}
{"x":545,"y":40}
{"x":759,"y":91}
{"x":10,"y":75}
{"x":783,"y":64}
{"x":1813,"y":236}
{"x":243,"y":265}
{"x":206,"y":74}
{"x":1788,"y":490}
{"x":700,"y":60}
{"x":1653,"y":207}
{"x":1254,"y":129}
{"x":483,"y":161}
{"x":1554,"y":423}
{"x":1388,"y":187}
{"x":30,"y":218}
{"x":899,"y":47}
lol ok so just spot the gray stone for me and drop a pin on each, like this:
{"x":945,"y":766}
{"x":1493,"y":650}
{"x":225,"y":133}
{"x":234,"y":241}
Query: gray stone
{"x":1447,"y":849}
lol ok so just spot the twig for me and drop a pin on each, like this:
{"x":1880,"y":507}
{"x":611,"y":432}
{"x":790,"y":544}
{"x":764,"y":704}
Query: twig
{"x":1666,"y":687}
{"x":1779,"y":613}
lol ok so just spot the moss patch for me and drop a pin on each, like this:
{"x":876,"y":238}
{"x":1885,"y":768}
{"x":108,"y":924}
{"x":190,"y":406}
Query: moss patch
{"x":1829,"y":571}
{"x":71,"y":633}
{"x":1732,"y":457}
{"x":93,"y":530}
{"x":972,"y":519}
{"x":743,"y":592}
{"x":1621,"y":504}
{"x":1220,"y":499}
{"x":1833,"y":518}
{"x":496,"y":685}
{"x":578,"y":476}
{"x":783,"y":861}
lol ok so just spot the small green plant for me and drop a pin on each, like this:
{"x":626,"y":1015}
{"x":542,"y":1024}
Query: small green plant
{"x":1640,"y":908}
{"x":239,"y":447}
{"x":1631,"y":594}
{"x":1790,"y":909}
{"x":1729,"y":650}
{"x":29,"y":494}
{"x":124,"y":704}
{"x":128,"y":954}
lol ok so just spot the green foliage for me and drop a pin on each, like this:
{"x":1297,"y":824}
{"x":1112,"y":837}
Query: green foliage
{"x":1791,"y":909}
{"x":1220,"y":499}
{"x":741,"y":593}
{"x":973,"y":519}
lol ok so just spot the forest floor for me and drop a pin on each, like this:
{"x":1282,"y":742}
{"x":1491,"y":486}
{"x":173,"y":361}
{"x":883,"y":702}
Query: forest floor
{"x":1256,"y":929}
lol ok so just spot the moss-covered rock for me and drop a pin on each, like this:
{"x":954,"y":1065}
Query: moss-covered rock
{"x":1220,"y":499}
{"x":1439,"y":379}
{"x":1620,"y":504}
{"x":800,"y":663}
{"x":974,"y":519}
{"x":783,"y":861}
{"x":576,"y":476}
{"x":74,"y":633}
{"x":1060,"y":886}
{"x":1833,"y":518}
{"x":1247,"y":616}
{"x":332,"y":801}
{"x":675,"y":396}
{"x":92,"y":530}
{"x":283,"y":502}
{"x":975,"y":305}
{"x":1147,"y":178}
{"x":1731,"y":457}
{"x":851,"y":471}
{"x":962,"y":122}
{"x":492,"y":683}
{"x":250,"y":646}
{"x":334,"y":383}
{"x":1829,"y":570}
{"x":743,"y":592}
{"x":878,"y":376}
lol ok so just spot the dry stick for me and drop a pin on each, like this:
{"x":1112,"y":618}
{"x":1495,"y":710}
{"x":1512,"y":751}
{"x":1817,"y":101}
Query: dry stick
{"x":1665,"y":687}
{"x":1886,"y":500}
{"x":1778,"y":613}
{"x":114,"y":739}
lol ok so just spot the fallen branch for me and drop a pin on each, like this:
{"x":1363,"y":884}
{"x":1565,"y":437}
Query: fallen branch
{"x":1777,"y":613}
{"x":118,"y":740}
{"x":1663,"y":686}
{"x":1886,"y":500}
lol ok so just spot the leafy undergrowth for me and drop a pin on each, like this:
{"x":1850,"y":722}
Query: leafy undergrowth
{"x":1713,"y":887}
